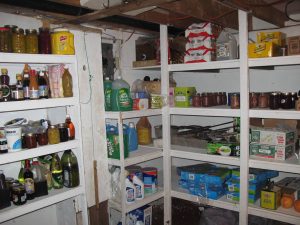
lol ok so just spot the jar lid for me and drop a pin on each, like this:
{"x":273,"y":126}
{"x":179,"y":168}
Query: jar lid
{"x":52,"y":126}
{"x":29,"y":134}
{"x":18,"y":30}
{"x":43,"y":29}
{"x":4,"y":71}
{"x":60,"y":30}
{"x":274,"y":93}
{"x":62,"y":125}
{"x":11,"y":26}
{"x":4,"y":29}
{"x":30,"y":31}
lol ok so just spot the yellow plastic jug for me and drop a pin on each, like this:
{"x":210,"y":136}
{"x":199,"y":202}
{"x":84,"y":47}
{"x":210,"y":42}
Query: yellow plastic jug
{"x":62,"y":42}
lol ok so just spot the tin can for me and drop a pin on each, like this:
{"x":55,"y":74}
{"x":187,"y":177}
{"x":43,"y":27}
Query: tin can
{"x":150,"y":180}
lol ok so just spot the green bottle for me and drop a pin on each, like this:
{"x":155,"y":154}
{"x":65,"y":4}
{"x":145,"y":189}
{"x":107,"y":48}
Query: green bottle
{"x":107,"y":94}
{"x":56,"y":171}
{"x":21,"y":173}
{"x":70,"y":169}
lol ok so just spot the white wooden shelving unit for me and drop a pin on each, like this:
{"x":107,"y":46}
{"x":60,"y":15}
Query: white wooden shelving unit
{"x":72,"y":107}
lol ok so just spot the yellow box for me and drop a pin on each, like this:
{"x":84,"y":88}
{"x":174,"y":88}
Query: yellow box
{"x":261,"y":50}
{"x":270,"y":199}
{"x":275,"y":37}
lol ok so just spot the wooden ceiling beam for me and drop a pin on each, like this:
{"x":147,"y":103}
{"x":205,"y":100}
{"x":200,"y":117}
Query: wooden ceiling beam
{"x":205,"y":10}
{"x":68,"y":2}
{"x":115,"y":10}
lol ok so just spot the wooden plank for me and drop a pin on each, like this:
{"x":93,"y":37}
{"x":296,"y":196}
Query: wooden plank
{"x":206,"y":10}
{"x":115,"y":10}
{"x":68,"y":2}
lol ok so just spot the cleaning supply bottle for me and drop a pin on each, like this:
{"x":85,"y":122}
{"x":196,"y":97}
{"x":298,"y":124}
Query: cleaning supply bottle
{"x":130,"y":191}
{"x":144,"y":131}
{"x":107,"y":93}
{"x":132,"y":138}
{"x":139,"y":187}
{"x":121,"y":99}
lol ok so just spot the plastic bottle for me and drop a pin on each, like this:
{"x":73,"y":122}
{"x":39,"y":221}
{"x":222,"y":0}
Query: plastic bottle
{"x":139,"y":188}
{"x":71,"y":127}
{"x":43,"y":86}
{"x":130,"y":191}
{"x":67,"y":83}
{"x":121,"y":99}
{"x":132,"y":138}
{"x":108,"y":94}
{"x":144,"y":131}
{"x":56,"y":171}
{"x":70,"y":169}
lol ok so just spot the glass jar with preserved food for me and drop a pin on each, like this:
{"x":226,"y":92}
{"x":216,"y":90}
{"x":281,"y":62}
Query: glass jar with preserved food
{"x":53,"y":135}
{"x":4,"y":39}
{"x":31,"y":40}
{"x":11,"y":28}
{"x":224,"y":98}
{"x":205,"y":99}
{"x":18,"y":41}
{"x":286,"y":101}
{"x":253,"y":100}
{"x":196,"y":101}
{"x":274,"y":100}
{"x":63,"y":132}
{"x":42,"y":138}
{"x":294,"y":99}
{"x":235,"y":100}
{"x":30,"y":140}
{"x":44,"y":41}
{"x":18,"y":194}
{"x":263,"y":101}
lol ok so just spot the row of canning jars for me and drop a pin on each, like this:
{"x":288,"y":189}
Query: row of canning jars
{"x":13,"y":39}
{"x":208,"y":99}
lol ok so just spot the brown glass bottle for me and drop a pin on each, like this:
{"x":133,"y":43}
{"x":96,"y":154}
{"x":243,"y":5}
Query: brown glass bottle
{"x":29,"y":182}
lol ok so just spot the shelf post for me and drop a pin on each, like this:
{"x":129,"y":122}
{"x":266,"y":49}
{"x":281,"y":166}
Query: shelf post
{"x":166,"y":123}
{"x":244,"y":117}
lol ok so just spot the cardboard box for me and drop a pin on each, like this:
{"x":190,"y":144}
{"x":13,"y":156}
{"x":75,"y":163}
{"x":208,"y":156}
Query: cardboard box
{"x":262,"y":50}
{"x":202,"y":29}
{"x":275,"y":37}
{"x":277,"y":152}
{"x":183,"y":96}
{"x":143,"y":214}
{"x":273,"y":136}
{"x":293,"y":44}
{"x":197,"y":42}
{"x":270,"y":199}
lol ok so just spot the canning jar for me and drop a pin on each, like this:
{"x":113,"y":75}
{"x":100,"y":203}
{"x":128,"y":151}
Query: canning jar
{"x":31,"y":40}
{"x":205,"y":100}
{"x":18,"y":41}
{"x":274,"y":100}
{"x":253,"y":100}
{"x":286,"y":100}
{"x":263,"y":100}
{"x":42,"y":138}
{"x":53,"y":135}
{"x":44,"y":41}
{"x":294,"y":99}
{"x":235,"y":100}
{"x":196,"y":102}
{"x":63,"y":132}
{"x":219,"y":98}
{"x":30,"y":140}
{"x":4,"y":39}
{"x":224,"y":98}
{"x":10,"y":32}
{"x":19,"y":194}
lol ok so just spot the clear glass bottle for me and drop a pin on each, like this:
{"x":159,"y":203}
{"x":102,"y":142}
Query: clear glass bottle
{"x":26,"y":84}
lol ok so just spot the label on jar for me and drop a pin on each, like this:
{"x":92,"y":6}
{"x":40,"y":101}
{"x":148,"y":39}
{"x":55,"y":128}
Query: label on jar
{"x":43,"y":91}
{"x":26,"y":92}
{"x":29,"y":185}
{"x":34,"y":94}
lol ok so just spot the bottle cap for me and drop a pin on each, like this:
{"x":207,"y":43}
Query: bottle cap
{"x":41,"y":73}
{"x":131,"y":125}
{"x":68,"y":116}
{"x":106,"y":78}
{"x":19,"y":76}
{"x":66,"y":67}
{"x":4,"y":71}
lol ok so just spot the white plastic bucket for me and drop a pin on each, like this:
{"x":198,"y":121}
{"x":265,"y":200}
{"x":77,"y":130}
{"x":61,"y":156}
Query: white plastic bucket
{"x":13,"y":135}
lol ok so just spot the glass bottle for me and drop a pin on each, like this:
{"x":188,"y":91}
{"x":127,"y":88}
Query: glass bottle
{"x":71,"y":127}
{"x":19,"y":95}
{"x":44,"y":41}
{"x":2,"y":180}
{"x":29,"y":182}
{"x":56,"y":171}
{"x":31,"y":40}
{"x":67,"y":83}
{"x":21,"y":174}
{"x":33,"y":85}
{"x":4,"y":78}
{"x":26,"y":84}
{"x":70,"y":169}
{"x":18,"y":41}
{"x":43,"y":86}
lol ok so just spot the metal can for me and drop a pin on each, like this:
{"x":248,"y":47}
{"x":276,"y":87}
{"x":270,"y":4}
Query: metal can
{"x":150,"y":180}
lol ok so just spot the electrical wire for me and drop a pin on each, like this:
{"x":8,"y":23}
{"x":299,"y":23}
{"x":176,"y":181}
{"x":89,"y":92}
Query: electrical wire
{"x":286,"y":11}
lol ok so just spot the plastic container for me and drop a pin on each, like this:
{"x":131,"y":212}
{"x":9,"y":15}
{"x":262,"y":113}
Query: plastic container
{"x":144,"y":131}
{"x":130,"y":191}
{"x":139,"y":188}
{"x":226,"y":46}
{"x":108,"y":93}
{"x":121,"y":99}
{"x":62,"y":42}
{"x":40,"y":183}
{"x":132,"y":138}
{"x":113,"y":142}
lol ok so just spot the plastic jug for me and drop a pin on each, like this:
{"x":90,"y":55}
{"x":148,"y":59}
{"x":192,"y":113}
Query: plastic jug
{"x":121,"y":99}
{"x":144,"y":131}
{"x":132,"y":138}
{"x":107,"y":94}
{"x":130,"y":191}
{"x":40,"y":183}
{"x":226,"y":46}
{"x":139,"y":188}
{"x":112,"y":140}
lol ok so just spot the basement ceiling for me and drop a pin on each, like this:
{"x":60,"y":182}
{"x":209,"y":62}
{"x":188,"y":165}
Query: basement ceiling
{"x":146,"y":15}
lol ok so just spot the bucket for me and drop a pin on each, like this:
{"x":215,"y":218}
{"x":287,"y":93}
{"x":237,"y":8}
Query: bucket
{"x":13,"y":136}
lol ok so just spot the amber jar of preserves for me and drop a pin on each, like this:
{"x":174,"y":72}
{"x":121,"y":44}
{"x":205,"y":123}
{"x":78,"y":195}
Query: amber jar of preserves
{"x":286,"y":100}
{"x":30,"y":139}
{"x":11,"y":29}
{"x":44,"y":41}
{"x":235,"y":101}
{"x":253,"y":100}
{"x":42,"y":138}
{"x":274,"y":100}
{"x":18,"y":41}
{"x":263,"y":100}
{"x":4,"y":39}
{"x":219,"y":98}
{"x":53,"y":135}
{"x":196,"y":101}
{"x":205,"y":100}
{"x":31,"y":40}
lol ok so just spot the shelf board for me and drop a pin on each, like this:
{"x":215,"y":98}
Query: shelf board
{"x":223,"y":111}
{"x":54,"y":196}
{"x":132,"y":114}
{"x":275,"y":61}
{"x":36,"y":58}
{"x":35,"y":152}
{"x":281,"y":214}
{"x":200,"y":154}
{"x":226,"y":64}
{"x":281,"y":113}
{"x":138,"y":203}
{"x":156,"y":67}
{"x":144,"y":153}
{"x":37,"y":104}
{"x":290,"y":165}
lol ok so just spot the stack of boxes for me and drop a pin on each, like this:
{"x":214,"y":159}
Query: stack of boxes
{"x":271,"y":143}
{"x":257,"y":180}
{"x":201,"y":45}
{"x":204,"y":180}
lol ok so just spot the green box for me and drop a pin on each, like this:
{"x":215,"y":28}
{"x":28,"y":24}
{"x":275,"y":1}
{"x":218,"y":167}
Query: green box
{"x":183,"y":96}
{"x":278,"y":152}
